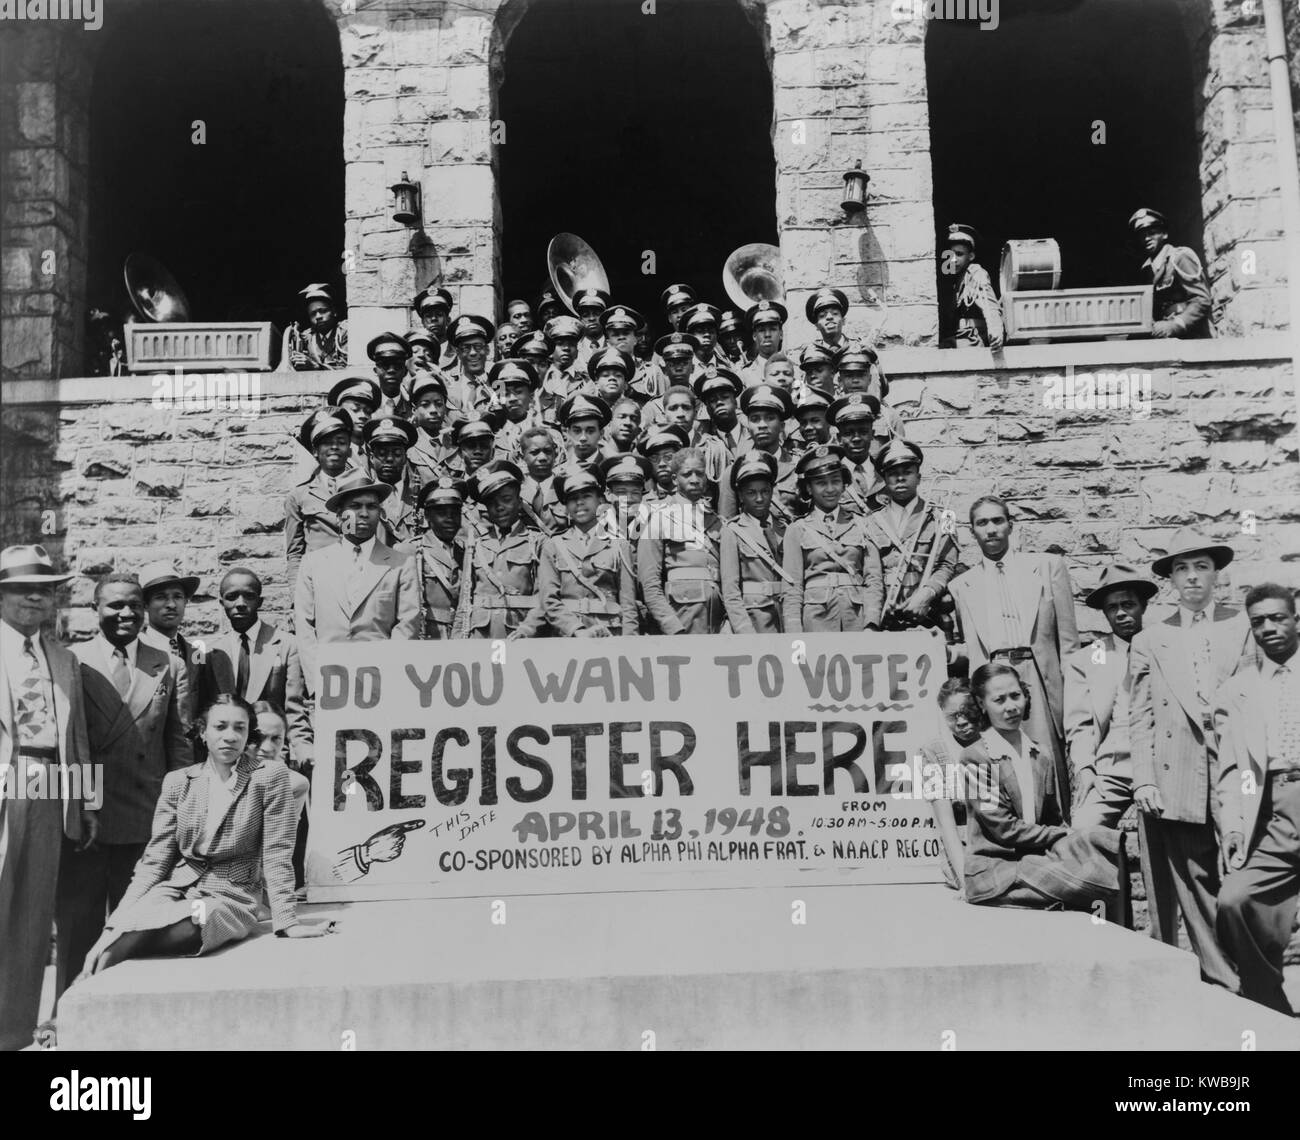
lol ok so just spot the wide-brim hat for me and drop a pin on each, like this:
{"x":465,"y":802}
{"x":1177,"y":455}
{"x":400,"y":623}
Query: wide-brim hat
{"x":821,"y":299}
{"x":1117,"y":575}
{"x":323,"y":422}
{"x":1189,"y":540}
{"x":354,"y":485}
{"x":158,"y":574}
{"x":29,"y":565}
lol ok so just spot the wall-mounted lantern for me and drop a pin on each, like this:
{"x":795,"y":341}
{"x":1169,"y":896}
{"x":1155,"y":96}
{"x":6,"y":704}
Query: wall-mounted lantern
{"x":406,"y":201}
{"x":855,"y":189}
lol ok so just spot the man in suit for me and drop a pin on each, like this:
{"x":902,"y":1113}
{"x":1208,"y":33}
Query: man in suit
{"x":43,"y":749}
{"x":256,"y":660}
{"x":166,"y":596}
{"x":1019,"y":608}
{"x":1177,"y":667}
{"x":1258,"y":791}
{"x":137,"y":732}
{"x":358,"y":589}
{"x":1097,"y":691}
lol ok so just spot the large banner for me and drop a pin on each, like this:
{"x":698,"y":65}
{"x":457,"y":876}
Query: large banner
{"x":461,"y":768}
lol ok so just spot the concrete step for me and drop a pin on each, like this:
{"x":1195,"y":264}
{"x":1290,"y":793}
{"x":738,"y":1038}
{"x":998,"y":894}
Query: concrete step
{"x":869,"y":967}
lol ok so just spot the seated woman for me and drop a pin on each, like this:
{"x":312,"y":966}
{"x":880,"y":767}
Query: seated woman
{"x":941,"y":774}
{"x":222,"y":832}
{"x":1019,"y":850}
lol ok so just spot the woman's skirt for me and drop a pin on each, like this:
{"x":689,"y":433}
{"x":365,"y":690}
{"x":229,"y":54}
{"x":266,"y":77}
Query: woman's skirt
{"x":220,"y":918}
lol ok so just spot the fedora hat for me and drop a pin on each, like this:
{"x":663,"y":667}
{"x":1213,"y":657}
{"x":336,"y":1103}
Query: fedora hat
{"x":159,"y":574}
{"x":25,"y":565}
{"x":354,"y":485}
{"x":1120,"y":574}
{"x":1189,"y":540}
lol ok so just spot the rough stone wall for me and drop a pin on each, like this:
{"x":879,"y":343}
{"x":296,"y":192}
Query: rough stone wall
{"x":124,"y":483}
{"x":44,"y":117}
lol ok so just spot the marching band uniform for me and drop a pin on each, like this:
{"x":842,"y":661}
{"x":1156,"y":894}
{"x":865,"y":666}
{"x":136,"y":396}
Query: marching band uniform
{"x":438,"y":563}
{"x":394,"y":400}
{"x":862,"y":482}
{"x":585,"y":579}
{"x":677,"y":564}
{"x":401,"y":515}
{"x":906,"y":538}
{"x":1181,"y":291}
{"x":309,"y":524}
{"x":499,"y":598}
{"x":752,"y":576}
{"x":835,"y":575}
{"x":765,"y":312}
{"x":979,"y":313}
{"x":324,"y":350}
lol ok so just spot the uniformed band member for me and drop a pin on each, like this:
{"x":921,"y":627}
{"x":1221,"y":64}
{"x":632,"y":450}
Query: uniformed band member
{"x":677,"y":353}
{"x":515,"y":383}
{"x":424,"y":351}
{"x":626,"y":478}
{"x":360,"y":397}
{"x":548,"y":306}
{"x":468,"y":390}
{"x":520,"y":314}
{"x":433,"y":307}
{"x":731,"y":344}
{"x":701,"y":321}
{"x":585,"y":579}
{"x":1182,"y":293}
{"x":308,"y":522}
{"x":390,"y":354}
{"x":765,"y":329}
{"x":621,"y":324}
{"x":439,"y":555}
{"x":859,"y":371}
{"x":676,"y":299}
{"x":610,"y":370}
{"x":387,"y":440}
{"x":752,"y":576}
{"x":659,"y":444}
{"x":817,"y":365}
{"x":620,"y":436}
{"x":918,"y":550}
{"x":767,"y":409}
{"x":565,"y":377}
{"x":533,"y":348}
{"x":854,"y":417}
{"x":720,"y":438}
{"x":811,"y":408}
{"x":429,"y":456}
{"x":979,"y":313}
{"x":590,"y":304}
{"x":834,"y":571}
{"x":585,"y":419}
{"x":677,"y":554}
{"x":498,"y":597}
{"x":323,"y":341}
{"x":826,"y":309}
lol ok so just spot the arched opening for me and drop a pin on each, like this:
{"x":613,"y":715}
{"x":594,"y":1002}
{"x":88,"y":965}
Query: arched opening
{"x":254,"y":212}
{"x":1069,"y":117}
{"x":638,"y":132}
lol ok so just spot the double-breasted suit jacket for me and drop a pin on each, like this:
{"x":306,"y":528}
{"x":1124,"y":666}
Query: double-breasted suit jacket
{"x":251,"y":850}
{"x":385,"y":604}
{"x":753,"y":578}
{"x":1171,"y":728}
{"x":274,"y":674}
{"x":1241,"y":725}
{"x":1094,"y":676}
{"x":585,"y":580}
{"x":836,"y":581}
{"x":138,"y":738}
{"x":500,"y":599}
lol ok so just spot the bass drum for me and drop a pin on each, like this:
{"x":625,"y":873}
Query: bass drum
{"x":1030,"y":263}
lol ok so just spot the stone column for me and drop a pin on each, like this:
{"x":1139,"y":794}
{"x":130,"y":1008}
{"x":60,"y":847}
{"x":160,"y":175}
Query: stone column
{"x":849,"y":85}
{"x":418,"y":101}
{"x":44,"y":104}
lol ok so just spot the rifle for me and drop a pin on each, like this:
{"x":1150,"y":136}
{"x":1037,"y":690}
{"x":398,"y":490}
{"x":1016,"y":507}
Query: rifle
{"x":460,"y":626}
{"x":906,"y":559}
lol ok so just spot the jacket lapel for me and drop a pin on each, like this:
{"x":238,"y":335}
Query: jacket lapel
{"x":371,"y":574}
{"x":974,"y":587}
{"x":243,"y":775}
{"x":150,"y":669}
{"x":1027,"y":583}
{"x":1176,"y":665}
{"x":263,"y":656}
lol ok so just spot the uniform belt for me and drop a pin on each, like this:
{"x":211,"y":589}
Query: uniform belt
{"x":1020,"y":653}
{"x":1284,"y":775}
{"x":606,"y":607}
{"x":38,"y":753}
{"x":833,"y":578}
{"x":690,"y":574}
{"x":761,"y":589}
{"x":506,"y":601}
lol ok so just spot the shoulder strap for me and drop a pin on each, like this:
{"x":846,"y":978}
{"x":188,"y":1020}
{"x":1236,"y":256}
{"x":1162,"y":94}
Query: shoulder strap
{"x":572,"y":567}
{"x":761,"y":550}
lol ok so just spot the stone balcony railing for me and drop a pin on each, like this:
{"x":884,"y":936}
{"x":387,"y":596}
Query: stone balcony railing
{"x":120,"y":471}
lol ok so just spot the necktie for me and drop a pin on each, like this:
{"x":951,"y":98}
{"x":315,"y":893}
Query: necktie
{"x":34,"y":712}
{"x":121,"y":672}
{"x":175,"y":643}
{"x":1287,"y":747}
{"x":354,"y":577}
{"x":241,"y":673}
{"x":1201,"y":655}
{"x":1010,"y":617}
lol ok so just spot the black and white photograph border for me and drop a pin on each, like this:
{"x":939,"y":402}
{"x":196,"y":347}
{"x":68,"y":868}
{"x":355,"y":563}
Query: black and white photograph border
{"x":931,"y":363}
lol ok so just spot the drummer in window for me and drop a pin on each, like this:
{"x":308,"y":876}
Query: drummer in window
{"x":979,"y":313}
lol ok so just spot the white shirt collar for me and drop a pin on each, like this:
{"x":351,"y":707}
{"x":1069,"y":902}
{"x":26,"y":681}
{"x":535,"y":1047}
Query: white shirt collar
{"x":366,"y":547}
{"x":1185,"y":615}
{"x":1268,"y":668}
{"x":12,"y":636}
{"x":106,"y":648}
{"x":252,"y":633}
{"x":991,"y":565}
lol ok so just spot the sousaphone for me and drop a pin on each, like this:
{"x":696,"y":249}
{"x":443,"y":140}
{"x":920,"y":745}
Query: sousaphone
{"x":753,"y":273}
{"x":573,"y":266}
{"x":153,"y":291}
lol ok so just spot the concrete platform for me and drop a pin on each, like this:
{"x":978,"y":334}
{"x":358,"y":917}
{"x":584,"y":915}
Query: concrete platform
{"x":878,"y":967}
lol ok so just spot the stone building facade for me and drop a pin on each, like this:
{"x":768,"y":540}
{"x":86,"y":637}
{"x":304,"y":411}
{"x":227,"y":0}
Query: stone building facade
{"x":95,"y":470}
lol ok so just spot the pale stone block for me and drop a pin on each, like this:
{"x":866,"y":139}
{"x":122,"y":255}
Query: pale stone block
{"x":38,"y":119}
{"x":468,"y":90}
{"x":459,"y":194}
{"x":17,"y":272}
